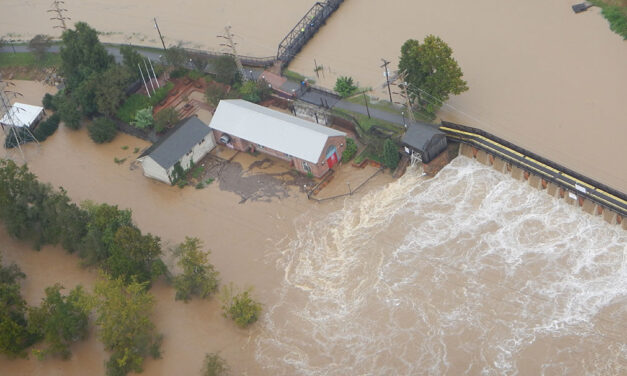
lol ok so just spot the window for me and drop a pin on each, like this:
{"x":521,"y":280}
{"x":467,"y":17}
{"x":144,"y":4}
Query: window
{"x":306,"y":166}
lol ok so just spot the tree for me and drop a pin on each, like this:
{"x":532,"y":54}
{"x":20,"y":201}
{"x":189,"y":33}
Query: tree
{"x":123,"y":316}
{"x":166,"y":118}
{"x":143,"y":118}
{"x":431,"y":72}
{"x":131,"y":59}
{"x":109,"y":91}
{"x":199,"y":277}
{"x":103,"y":221}
{"x":345,"y":86}
{"x":215,"y":93}
{"x":39,"y":45}
{"x":134,"y":256}
{"x":102,"y":130}
{"x":15,"y":335}
{"x":82,"y":54}
{"x":390,"y":154}
{"x":199,"y":61}
{"x":60,"y":320}
{"x":239,"y":306}
{"x":350,"y":151}
{"x":214,"y":365}
{"x":176,"y":56}
{"x":226,"y":70}
{"x":68,"y":111}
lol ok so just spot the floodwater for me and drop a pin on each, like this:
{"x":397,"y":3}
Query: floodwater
{"x":539,"y":75}
{"x":258,"y":26}
{"x":472,"y":272}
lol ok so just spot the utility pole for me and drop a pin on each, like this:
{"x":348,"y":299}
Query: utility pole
{"x":160,"y":36}
{"x":403,"y":85}
{"x":387,"y":77}
{"x":231,"y":44}
{"x":366,"y":102}
{"x":56,"y":8}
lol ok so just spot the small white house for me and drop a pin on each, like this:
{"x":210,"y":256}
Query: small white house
{"x":188,"y":141}
{"x":22,"y":115}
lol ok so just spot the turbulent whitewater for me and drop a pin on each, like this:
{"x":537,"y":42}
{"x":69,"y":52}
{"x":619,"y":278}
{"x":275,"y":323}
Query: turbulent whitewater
{"x":471,"y":272}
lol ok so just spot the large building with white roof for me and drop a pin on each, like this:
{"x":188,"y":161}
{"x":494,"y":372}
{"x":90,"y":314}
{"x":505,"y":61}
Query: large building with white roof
{"x":22,"y":115}
{"x":245,"y":126}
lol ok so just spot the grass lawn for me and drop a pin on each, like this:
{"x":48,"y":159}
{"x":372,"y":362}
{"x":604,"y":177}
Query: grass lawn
{"x":615,"y":11}
{"x":27,"y":59}
{"x":365,"y":123}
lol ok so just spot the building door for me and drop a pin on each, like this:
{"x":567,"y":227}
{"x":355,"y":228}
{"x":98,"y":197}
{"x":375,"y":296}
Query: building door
{"x":306,"y":167}
{"x":331,"y":156}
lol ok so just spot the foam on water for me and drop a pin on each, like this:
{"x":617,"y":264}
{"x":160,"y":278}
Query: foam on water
{"x":470,"y":272}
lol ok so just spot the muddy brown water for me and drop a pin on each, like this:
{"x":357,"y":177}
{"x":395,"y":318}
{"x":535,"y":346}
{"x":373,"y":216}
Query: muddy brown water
{"x":470,"y":272}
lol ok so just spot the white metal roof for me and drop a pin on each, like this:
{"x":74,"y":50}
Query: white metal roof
{"x":22,"y":115}
{"x":276,"y":130}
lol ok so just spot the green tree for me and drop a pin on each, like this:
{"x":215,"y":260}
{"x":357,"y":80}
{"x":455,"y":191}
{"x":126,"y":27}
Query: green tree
{"x":239,"y":306}
{"x":48,"y":102}
{"x":39,"y":45}
{"x":214,"y":365}
{"x":131,"y":59}
{"x":103,"y":221}
{"x":432,"y":74}
{"x":199,"y":61}
{"x":84,"y":94}
{"x":176,"y":56}
{"x":123,"y":316}
{"x":135,"y":256}
{"x":61,"y":221}
{"x":82,"y":54}
{"x":350,"y":151}
{"x":110,"y":89}
{"x":60,"y":320}
{"x":199,"y":277}
{"x":226,"y":70}
{"x":345,"y":86}
{"x":68,"y":111}
{"x":390,"y":154}
{"x":143,"y":118}
{"x":102,"y":130}
{"x":215,"y":93}
{"x":15,"y":336}
{"x":166,"y":118}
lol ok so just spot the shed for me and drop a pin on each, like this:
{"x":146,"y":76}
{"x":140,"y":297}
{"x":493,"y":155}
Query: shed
{"x":425,"y":139}
{"x":311,"y":147}
{"x":189,"y":141}
{"x":22,"y":115}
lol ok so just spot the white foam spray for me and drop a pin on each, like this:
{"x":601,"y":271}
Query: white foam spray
{"x":471,"y":272}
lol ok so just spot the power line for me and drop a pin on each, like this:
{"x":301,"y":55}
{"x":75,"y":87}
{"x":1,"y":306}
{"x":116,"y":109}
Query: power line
{"x":10,"y":130}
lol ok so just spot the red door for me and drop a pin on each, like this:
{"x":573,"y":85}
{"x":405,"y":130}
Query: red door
{"x":332,"y":160}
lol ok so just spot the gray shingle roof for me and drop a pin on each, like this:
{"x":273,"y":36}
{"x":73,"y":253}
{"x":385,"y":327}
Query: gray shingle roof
{"x":419,"y":135}
{"x":180,"y":140}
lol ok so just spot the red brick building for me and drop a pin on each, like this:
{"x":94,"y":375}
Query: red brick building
{"x":245,"y":126}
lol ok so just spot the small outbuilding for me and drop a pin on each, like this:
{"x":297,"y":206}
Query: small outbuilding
{"x":22,"y":115}
{"x":188,"y":141}
{"x":425,"y":141}
{"x":309,"y":147}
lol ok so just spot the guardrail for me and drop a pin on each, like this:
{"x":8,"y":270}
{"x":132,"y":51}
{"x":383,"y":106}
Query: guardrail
{"x":573,"y":182}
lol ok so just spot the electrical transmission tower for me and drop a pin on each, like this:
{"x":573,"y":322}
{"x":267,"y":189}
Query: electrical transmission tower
{"x":231,"y":44}
{"x":56,"y":8}
{"x":14,"y":132}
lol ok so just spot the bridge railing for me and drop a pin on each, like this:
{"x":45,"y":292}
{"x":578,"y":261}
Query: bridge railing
{"x":306,"y":27}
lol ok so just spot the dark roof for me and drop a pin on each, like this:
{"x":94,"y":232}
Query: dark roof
{"x":419,"y":135}
{"x":180,"y":140}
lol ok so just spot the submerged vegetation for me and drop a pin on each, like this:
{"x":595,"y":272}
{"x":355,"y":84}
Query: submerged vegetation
{"x":615,"y":11}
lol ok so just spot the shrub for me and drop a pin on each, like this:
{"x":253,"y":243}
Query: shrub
{"x":143,"y":118}
{"x":47,"y":127}
{"x":48,"y":102}
{"x":135,"y":102}
{"x":178,"y":72}
{"x":68,"y":111}
{"x":102,"y":130}
{"x":350,"y":151}
{"x":390,"y":154}
{"x":226,"y":70}
{"x":344,"y":86}
{"x":214,"y":93}
{"x":214,"y":365}
{"x":240,"y":307}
